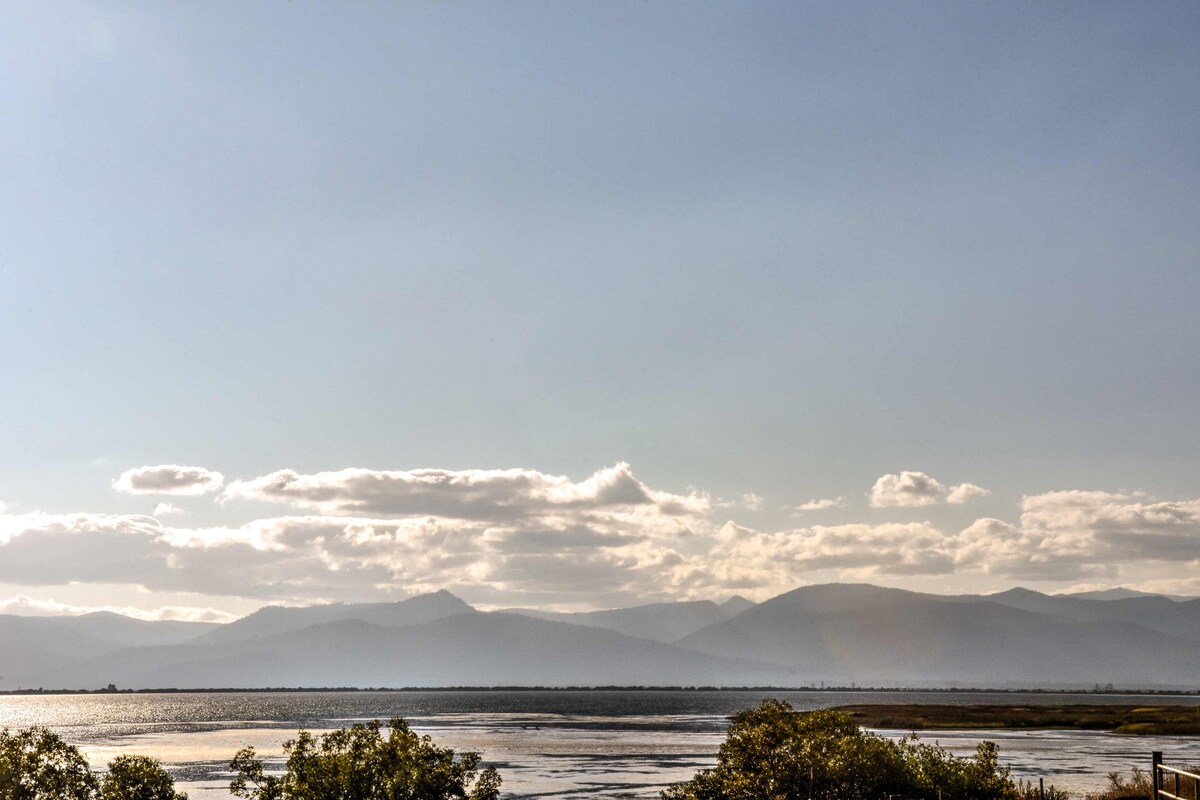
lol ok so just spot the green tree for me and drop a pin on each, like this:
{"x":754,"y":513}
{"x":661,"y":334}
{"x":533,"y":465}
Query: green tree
{"x":933,"y":772}
{"x":774,"y":753}
{"x":36,"y":764}
{"x":359,"y":763}
{"x":137,"y":778}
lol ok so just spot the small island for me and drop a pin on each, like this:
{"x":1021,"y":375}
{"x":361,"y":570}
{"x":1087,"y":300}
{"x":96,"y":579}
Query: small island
{"x":1141,"y":720}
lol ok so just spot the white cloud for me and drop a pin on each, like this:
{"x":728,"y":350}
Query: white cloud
{"x":1061,"y":536}
{"x":888,"y":549}
{"x":168,"y":479}
{"x":912,"y":489}
{"x":822,"y":504}
{"x":908,"y":489}
{"x":1075,"y":534}
{"x":464,"y":494}
{"x":752,"y":501}
{"x":13,"y":526}
{"x":511,"y":535}
{"x":167,"y":510}
{"x":965,"y":493}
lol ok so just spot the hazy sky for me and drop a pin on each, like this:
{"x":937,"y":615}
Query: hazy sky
{"x":766,"y":255}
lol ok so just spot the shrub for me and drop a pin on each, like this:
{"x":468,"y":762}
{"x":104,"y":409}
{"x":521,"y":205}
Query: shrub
{"x":774,"y":753}
{"x":36,"y":764}
{"x":137,"y":778}
{"x":359,"y":763}
{"x":1028,"y":790}
{"x":1139,"y":784}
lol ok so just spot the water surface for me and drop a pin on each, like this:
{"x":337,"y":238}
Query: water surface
{"x":546,"y":744}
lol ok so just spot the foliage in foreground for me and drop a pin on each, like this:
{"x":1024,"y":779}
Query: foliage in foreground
{"x":1028,"y":790}
{"x":359,"y":763}
{"x":774,"y":753}
{"x":36,"y":764}
{"x":1140,"y":784}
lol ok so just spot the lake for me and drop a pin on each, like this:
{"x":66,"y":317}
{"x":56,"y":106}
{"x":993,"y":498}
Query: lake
{"x":546,"y":744}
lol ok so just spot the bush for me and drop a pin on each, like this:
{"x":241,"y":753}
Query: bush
{"x":1139,"y":784}
{"x":774,"y":753}
{"x":36,"y":764}
{"x":358,"y":763}
{"x":1028,"y":790}
{"x":137,"y":778}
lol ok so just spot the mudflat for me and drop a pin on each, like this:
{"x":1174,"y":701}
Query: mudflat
{"x":1131,"y":719}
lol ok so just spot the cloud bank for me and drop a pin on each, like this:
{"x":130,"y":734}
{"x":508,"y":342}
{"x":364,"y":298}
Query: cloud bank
{"x":465,"y":494}
{"x":522,"y":537}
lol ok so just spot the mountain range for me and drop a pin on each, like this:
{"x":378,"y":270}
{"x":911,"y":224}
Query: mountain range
{"x":833,"y":634}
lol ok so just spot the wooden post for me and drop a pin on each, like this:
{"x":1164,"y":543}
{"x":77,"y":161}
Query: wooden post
{"x":1041,"y":789}
{"x":1155,"y":773}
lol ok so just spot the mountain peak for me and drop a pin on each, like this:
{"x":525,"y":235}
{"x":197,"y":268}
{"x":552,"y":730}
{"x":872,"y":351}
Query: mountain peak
{"x":1017,"y":591}
{"x":736,"y":605}
{"x":442,"y":598}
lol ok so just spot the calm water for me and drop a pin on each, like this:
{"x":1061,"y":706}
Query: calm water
{"x":613,"y":744}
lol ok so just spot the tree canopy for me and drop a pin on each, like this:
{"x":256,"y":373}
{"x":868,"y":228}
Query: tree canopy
{"x":36,"y":764}
{"x":775,"y":753}
{"x":137,"y":778}
{"x":360,"y":763}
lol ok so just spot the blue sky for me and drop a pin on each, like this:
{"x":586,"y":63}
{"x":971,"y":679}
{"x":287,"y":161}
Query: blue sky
{"x":777,"y":249}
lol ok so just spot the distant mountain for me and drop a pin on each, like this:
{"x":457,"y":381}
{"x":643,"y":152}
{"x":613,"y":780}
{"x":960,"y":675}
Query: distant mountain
{"x":1029,"y":600}
{"x":841,"y":633}
{"x":836,"y":633}
{"x":1121,"y":593}
{"x":33,"y":648}
{"x":1171,"y":617}
{"x":659,"y":622}
{"x":118,"y":629}
{"x":30,"y":649}
{"x":273,"y":620}
{"x":465,"y":649}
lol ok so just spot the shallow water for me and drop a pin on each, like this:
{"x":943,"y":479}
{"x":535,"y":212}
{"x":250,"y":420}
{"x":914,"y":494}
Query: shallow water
{"x":602,"y":744}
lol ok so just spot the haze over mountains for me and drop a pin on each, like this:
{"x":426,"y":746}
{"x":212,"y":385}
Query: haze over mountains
{"x":660,"y":622}
{"x":834,"y":634}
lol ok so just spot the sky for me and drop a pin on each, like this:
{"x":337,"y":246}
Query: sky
{"x":581,"y":305}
